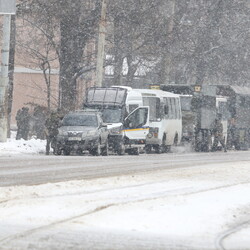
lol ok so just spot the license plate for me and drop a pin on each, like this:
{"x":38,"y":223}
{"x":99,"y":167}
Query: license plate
{"x":75,"y":139}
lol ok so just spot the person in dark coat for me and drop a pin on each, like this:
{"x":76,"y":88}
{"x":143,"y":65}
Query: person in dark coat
{"x":52,"y":124}
{"x":23,"y":123}
{"x":218,"y":134}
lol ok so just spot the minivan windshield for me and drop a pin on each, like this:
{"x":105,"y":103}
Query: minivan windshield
{"x":80,"y":120}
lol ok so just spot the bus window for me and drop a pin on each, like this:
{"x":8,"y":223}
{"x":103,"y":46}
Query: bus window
{"x":170,"y":112}
{"x":173,"y":110}
{"x":165,"y":108}
{"x":178,"y":108}
{"x":154,"y":107}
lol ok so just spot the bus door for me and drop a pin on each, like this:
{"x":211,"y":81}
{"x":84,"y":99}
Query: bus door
{"x":136,"y":124}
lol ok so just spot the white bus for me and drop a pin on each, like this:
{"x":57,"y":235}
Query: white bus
{"x":165,"y":120}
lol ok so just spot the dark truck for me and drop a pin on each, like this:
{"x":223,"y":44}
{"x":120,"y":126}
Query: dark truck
{"x":111,"y":102}
{"x":199,"y":110}
{"x":232,"y":102}
{"x":239,"y":110}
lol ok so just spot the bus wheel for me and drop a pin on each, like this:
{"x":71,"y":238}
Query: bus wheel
{"x":163,"y":147}
{"x":176,"y":140}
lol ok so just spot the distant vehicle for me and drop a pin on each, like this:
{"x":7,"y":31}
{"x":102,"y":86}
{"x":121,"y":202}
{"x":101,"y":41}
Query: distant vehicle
{"x":80,"y":131}
{"x":209,"y":101}
{"x":188,"y":119}
{"x":200,"y":107}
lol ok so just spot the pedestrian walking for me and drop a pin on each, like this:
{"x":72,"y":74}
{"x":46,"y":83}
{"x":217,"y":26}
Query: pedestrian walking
{"x":52,"y":124}
{"x":218,"y":134}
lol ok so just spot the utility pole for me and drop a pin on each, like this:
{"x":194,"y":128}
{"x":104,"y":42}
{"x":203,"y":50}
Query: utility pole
{"x":101,"y":44}
{"x":7,"y":8}
{"x":166,"y":59}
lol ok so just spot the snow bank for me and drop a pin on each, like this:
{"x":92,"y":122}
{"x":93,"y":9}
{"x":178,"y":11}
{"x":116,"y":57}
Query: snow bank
{"x":32,"y":146}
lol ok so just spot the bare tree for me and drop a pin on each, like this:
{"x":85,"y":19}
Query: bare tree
{"x":135,"y":30}
{"x":68,"y":26}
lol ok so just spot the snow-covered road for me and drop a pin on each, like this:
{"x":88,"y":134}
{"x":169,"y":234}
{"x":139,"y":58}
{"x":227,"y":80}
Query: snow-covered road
{"x":187,"y":208}
{"x":181,"y":206}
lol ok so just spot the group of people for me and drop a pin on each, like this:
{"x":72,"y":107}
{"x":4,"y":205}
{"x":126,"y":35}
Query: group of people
{"x":30,"y":124}
{"x":23,"y":123}
{"x":40,"y":123}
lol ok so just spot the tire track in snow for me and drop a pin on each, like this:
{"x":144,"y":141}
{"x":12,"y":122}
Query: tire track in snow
{"x":156,"y":196}
{"x":219,"y":240}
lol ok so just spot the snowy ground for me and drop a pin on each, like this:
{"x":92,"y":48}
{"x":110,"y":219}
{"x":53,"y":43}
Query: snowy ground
{"x":206,"y":207}
{"x":12,"y":146}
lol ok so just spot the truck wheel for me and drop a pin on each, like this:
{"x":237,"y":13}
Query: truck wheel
{"x":57,"y":151}
{"x":79,"y":151}
{"x":148,"y":149}
{"x":66,"y":151}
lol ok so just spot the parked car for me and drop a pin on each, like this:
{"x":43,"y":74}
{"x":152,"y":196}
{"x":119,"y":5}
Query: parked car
{"x":80,"y":131}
